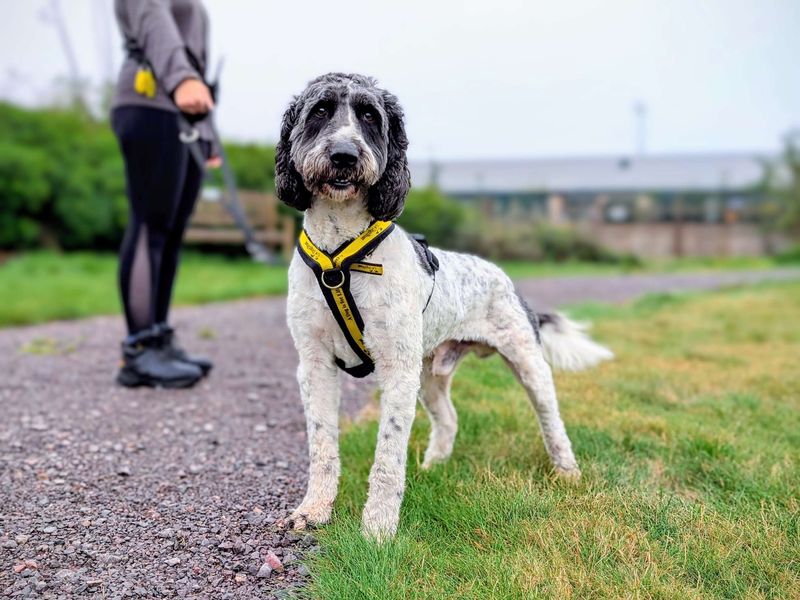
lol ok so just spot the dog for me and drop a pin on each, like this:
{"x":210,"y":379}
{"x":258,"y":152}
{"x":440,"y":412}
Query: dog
{"x":341,"y":159}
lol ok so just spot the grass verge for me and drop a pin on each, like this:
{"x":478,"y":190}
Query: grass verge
{"x":43,"y":286}
{"x":689,"y":443}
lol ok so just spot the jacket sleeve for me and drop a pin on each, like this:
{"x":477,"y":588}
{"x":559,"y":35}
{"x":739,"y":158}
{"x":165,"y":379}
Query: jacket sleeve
{"x":155,"y":32}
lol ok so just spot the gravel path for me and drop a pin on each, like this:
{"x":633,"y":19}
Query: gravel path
{"x":114,"y":493}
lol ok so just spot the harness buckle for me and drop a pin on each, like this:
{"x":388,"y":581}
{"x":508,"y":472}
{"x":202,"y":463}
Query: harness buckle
{"x":332,"y":286}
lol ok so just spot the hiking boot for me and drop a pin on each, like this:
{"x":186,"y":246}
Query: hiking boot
{"x":174,"y":351}
{"x":146,"y":362}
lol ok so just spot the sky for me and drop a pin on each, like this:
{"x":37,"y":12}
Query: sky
{"x":487,"y":79}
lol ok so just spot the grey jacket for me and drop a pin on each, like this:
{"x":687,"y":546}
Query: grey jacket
{"x":164,"y":30}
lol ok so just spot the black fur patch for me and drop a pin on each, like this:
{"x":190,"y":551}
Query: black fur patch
{"x":538,"y":320}
{"x":422,"y":255}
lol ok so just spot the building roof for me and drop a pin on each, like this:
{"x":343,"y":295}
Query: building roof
{"x":685,"y":172}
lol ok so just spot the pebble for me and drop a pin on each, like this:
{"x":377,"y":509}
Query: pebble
{"x":240,"y":578}
{"x":260,"y":428}
{"x":173,"y":561}
{"x":49,"y":530}
{"x":9,"y":544}
{"x":264,"y":572}
{"x":273,"y":561}
{"x":124,"y":471}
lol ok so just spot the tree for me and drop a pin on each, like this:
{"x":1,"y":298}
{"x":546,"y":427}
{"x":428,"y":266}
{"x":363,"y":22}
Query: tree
{"x":782,"y":188}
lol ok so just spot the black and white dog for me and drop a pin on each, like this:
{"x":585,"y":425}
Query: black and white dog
{"x":341,"y":158}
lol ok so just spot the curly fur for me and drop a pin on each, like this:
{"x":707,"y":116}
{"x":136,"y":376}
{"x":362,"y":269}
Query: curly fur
{"x":471,"y":307}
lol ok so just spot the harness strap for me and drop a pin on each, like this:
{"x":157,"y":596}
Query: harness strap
{"x":333,"y":276}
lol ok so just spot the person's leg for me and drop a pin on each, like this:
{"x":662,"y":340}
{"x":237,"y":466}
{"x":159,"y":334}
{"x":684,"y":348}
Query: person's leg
{"x":156,"y":165}
{"x":174,"y":238}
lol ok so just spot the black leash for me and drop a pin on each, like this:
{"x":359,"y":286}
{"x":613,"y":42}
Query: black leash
{"x":191,"y":137}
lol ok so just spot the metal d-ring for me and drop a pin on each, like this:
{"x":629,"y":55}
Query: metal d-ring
{"x":330,"y":272}
{"x":189,"y":137}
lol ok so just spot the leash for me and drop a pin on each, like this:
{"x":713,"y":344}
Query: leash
{"x":191,"y":138}
{"x":333,"y":276}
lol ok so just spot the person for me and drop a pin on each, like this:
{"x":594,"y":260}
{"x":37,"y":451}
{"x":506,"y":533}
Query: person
{"x":161,"y":78}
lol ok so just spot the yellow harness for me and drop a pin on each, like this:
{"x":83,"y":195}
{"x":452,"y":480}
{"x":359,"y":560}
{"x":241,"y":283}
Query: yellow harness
{"x":333,"y":275}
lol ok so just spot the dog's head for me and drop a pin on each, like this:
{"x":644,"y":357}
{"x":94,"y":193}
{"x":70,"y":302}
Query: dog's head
{"x":343,"y":137}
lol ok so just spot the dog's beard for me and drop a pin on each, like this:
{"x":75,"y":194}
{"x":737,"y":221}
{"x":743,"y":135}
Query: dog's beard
{"x":321,"y":178}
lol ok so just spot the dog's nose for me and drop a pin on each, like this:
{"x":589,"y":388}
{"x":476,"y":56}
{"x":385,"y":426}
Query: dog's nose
{"x":344,"y":154}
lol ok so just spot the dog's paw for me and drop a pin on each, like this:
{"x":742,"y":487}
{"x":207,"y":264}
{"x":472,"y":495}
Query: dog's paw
{"x":570,"y":474}
{"x":433,"y":459}
{"x":378,"y":527}
{"x":310,"y":514}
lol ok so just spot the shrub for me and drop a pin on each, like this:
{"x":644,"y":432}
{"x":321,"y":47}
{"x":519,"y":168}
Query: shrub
{"x":62,"y":180}
{"x":429,"y":212}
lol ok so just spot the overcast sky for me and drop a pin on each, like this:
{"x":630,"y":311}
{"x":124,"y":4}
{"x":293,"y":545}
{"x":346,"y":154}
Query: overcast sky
{"x":489,"y":78}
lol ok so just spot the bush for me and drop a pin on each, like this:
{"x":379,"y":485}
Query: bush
{"x":62,"y":180}
{"x":429,"y":212}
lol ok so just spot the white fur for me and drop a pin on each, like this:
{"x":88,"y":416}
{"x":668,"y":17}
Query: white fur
{"x":568,"y":348}
{"x":474,"y":308}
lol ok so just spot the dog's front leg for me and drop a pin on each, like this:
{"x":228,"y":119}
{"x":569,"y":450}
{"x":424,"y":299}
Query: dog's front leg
{"x":319,"y":390}
{"x":399,"y":378}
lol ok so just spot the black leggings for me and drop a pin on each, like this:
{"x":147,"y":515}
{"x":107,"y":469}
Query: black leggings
{"x":162,"y":185}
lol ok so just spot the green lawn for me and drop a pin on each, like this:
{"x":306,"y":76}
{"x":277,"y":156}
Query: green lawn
{"x":42,"y":286}
{"x":689,"y":443}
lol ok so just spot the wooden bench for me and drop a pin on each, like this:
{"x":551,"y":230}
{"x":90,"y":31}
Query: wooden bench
{"x":212,"y":224}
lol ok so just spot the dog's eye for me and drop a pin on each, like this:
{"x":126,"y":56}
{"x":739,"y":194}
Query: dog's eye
{"x":368,"y":116}
{"x":321,"y":111}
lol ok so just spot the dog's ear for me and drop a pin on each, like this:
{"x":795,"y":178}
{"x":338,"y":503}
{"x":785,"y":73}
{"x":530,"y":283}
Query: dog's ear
{"x":288,"y":184}
{"x":387,"y":197}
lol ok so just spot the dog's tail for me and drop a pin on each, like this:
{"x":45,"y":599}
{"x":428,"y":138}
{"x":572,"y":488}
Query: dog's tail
{"x":567,"y":346}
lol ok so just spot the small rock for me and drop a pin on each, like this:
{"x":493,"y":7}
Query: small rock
{"x":273,"y":561}
{"x":173,"y":561}
{"x":302,"y":570}
{"x":252,"y":396}
{"x":49,"y":530}
{"x":8,"y":544}
{"x":22,"y":539}
{"x":124,"y":471}
{"x":308,"y":540}
{"x":240,"y":578}
{"x":166,"y":533}
{"x":208,"y":427}
{"x":282,"y":464}
{"x":264,"y":572}
{"x":86,"y":523}
{"x":260,"y":428}
{"x":195,"y":469}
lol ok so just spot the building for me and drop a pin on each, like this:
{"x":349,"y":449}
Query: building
{"x":703,"y":204}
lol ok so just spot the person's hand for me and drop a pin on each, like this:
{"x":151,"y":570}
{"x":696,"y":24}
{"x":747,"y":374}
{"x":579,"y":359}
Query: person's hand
{"x":193,"y":97}
{"x":215,"y":162}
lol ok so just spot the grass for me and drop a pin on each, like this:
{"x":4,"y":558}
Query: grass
{"x":689,"y":443}
{"x":43,"y":286}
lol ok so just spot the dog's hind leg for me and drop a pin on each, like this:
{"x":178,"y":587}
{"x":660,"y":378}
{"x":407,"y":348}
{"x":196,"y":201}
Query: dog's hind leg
{"x":514,"y":338}
{"x":434,"y":394}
